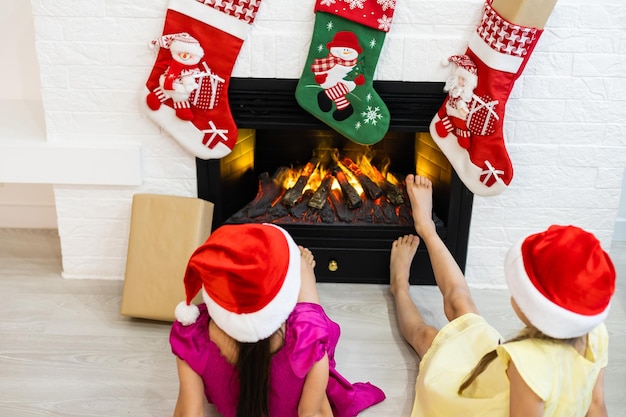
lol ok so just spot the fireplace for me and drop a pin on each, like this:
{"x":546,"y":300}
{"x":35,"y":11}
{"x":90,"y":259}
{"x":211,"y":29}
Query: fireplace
{"x":275,"y":133}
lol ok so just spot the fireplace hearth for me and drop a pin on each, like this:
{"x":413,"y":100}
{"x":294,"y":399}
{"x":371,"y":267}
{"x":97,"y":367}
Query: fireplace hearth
{"x":276,"y":134}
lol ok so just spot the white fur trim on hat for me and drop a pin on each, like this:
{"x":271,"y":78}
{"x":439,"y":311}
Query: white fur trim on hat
{"x":252,"y":327}
{"x":548,"y":317}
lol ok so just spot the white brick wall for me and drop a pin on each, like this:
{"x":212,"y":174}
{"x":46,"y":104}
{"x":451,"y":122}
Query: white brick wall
{"x":565,"y":120}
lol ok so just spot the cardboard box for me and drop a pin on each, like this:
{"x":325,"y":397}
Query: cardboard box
{"x":164,"y":232}
{"x":529,"y":13}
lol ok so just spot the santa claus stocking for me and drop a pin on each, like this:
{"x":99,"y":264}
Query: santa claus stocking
{"x":468,"y":126}
{"x":187,"y":89}
{"x":336,"y":83}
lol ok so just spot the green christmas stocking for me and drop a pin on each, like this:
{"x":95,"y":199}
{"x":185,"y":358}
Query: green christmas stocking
{"x":336,"y":83}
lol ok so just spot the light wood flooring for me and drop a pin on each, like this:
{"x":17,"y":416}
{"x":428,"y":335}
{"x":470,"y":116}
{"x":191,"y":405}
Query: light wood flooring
{"x":66,"y":351}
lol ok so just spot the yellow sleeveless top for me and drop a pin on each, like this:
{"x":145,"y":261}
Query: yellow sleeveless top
{"x":557,"y":373}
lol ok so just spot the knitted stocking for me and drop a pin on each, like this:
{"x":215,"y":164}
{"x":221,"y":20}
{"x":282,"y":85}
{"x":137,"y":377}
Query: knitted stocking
{"x":468,"y":129}
{"x":187,"y":89}
{"x":336,"y":83}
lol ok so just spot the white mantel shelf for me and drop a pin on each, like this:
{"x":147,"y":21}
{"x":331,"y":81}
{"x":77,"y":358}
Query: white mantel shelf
{"x":26,"y":156}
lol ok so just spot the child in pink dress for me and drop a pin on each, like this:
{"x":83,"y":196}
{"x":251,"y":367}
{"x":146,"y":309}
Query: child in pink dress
{"x":260,"y":345}
{"x":561,"y":284}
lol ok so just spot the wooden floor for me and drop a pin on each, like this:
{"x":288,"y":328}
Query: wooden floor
{"x":65,"y":350}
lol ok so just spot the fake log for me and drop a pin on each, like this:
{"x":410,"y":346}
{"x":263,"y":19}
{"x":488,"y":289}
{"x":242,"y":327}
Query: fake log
{"x":349,"y":193}
{"x":269,"y":191}
{"x":373,"y":190}
{"x":294,"y":193}
{"x":393,"y":193}
{"x":321,"y":194}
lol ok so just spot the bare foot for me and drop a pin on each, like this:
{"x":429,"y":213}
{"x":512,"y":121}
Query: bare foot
{"x":308,"y":289}
{"x":420,"y":191}
{"x":403,"y":251}
{"x":307,"y":256}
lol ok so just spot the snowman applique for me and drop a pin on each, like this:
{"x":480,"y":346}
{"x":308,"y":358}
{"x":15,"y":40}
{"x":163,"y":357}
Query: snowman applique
{"x":180,"y":72}
{"x":338,"y":74}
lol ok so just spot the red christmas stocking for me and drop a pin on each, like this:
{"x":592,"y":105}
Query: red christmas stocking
{"x":468,"y":126}
{"x":186,"y":93}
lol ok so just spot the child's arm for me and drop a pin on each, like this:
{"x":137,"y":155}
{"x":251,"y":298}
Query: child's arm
{"x":598,"y":406}
{"x":523,"y":401}
{"x":190,"y":401}
{"x":313,"y":401}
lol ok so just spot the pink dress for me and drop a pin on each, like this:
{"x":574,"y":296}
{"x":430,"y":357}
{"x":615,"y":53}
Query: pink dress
{"x":309,"y":333}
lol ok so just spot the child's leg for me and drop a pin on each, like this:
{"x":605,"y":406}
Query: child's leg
{"x":412,"y":326}
{"x":457,"y":299}
{"x":308,"y":287}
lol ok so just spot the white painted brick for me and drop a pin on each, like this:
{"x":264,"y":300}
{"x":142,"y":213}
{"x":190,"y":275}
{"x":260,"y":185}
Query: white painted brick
{"x":88,"y":228}
{"x":603,"y":15}
{"x":595,"y":156}
{"x":68,"y":8}
{"x":93,"y":267}
{"x":614,"y":136}
{"x":552,"y":133}
{"x":538,"y":110}
{"x":610,"y":177}
{"x":108,"y":77}
{"x":136,"y":9}
{"x":72,"y":53}
{"x":48,"y":28}
{"x":598,"y":65}
{"x":265,"y":56}
{"x":541,"y":218}
{"x":53,"y":76}
{"x":554,"y":176}
{"x":538,"y":154}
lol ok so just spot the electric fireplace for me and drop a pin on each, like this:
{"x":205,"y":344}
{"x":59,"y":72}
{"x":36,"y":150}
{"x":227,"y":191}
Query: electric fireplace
{"x":344,"y":201}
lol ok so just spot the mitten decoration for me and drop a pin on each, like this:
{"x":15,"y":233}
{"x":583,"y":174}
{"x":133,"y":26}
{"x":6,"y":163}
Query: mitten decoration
{"x":336,"y":82}
{"x":468,"y":126}
{"x":187,"y":88}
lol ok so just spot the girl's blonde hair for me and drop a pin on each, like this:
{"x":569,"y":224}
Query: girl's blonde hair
{"x":529,"y":332}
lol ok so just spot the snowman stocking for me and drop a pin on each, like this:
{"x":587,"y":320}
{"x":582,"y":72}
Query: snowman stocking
{"x":186,"y":92}
{"x":468,"y":126}
{"x":336,"y":83}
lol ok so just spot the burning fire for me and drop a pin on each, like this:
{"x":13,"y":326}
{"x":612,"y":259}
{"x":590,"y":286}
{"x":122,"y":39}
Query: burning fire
{"x":319,"y":171}
{"x":329,"y":188}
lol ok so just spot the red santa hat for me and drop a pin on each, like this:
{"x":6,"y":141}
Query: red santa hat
{"x":179,"y":42}
{"x":249,"y":275}
{"x":465,"y":67}
{"x":562,"y":280}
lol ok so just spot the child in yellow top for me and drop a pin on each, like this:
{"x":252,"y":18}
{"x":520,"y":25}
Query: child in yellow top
{"x":561,"y":283}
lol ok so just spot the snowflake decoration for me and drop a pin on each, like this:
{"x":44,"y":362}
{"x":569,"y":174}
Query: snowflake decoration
{"x":330,"y":25}
{"x":368,"y":97}
{"x":357,"y":125}
{"x":387,"y":4}
{"x":320,"y":47}
{"x":329,"y":2}
{"x":354,"y":4}
{"x":371,"y":115}
{"x":373,"y":43}
{"x":384,"y":23}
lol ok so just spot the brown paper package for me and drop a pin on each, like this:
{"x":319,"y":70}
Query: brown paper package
{"x":164,"y":232}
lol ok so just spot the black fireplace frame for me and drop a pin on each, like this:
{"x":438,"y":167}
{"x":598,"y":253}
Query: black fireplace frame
{"x":270,"y":104}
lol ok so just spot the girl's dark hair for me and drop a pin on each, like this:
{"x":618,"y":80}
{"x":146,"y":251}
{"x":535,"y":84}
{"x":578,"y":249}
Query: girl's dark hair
{"x":529,"y":332}
{"x":253,"y":369}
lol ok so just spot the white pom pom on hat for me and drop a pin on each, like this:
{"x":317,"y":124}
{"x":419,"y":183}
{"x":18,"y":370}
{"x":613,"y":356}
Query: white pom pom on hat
{"x":562,"y":280}
{"x":249,"y":275}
